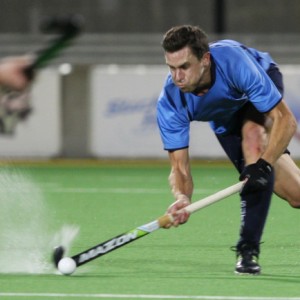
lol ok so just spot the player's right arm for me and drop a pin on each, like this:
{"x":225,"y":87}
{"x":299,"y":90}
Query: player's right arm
{"x":181,"y":183}
{"x":174,"y":126}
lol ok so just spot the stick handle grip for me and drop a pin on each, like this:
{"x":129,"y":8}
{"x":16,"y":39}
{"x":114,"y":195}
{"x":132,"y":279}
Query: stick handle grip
{"x":167,"y":219}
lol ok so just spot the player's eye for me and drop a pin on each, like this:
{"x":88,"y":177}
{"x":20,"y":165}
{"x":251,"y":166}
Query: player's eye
{"x":185,"y":66}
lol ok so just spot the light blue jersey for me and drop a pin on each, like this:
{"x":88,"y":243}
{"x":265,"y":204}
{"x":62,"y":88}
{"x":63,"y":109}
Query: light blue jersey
{"x":239,"y":76}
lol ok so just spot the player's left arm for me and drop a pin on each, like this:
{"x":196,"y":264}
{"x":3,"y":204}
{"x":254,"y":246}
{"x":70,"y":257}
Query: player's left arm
{"x":283,"y":127}
{"x":280,"y":131}
{"x":248,"y":76}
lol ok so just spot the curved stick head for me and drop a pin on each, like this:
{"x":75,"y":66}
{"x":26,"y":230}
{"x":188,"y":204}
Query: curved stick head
{"x":58,"y":254}
{"x":69,"y":24}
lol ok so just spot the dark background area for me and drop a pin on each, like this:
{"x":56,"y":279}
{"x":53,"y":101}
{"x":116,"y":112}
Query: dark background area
{"x":155,"y":16}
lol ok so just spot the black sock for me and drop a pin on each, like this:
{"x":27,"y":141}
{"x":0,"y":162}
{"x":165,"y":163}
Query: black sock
{"x":254,"y":212}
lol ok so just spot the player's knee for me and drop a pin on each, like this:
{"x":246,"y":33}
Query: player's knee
{"x":294,"y":204}
{"x":290,"y":194}
{"x":294,"y":201}
{"x":254,"y":138}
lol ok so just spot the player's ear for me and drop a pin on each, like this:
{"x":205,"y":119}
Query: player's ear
{"x":206,"y":59}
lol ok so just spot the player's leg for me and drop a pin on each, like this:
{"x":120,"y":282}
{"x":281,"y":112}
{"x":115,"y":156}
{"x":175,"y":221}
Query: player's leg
{"x":232,"y":145}
{"x":287,"y":180}
{"x":254,"y":206}
{"x":253,"y":142}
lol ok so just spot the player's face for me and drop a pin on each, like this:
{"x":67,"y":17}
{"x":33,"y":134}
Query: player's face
{"x":188,"y":72}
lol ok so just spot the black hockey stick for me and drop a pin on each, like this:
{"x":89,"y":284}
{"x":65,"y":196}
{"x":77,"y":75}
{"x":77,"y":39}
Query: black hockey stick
{"x":67,"y":28}
{"x":141,"y":231}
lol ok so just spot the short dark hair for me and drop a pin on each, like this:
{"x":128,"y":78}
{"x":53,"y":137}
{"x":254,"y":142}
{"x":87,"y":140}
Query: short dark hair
{"x":179,"y":37}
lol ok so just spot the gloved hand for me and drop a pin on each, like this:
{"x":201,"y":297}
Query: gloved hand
{"x":257,"y":175}
{"x":176,"y":210}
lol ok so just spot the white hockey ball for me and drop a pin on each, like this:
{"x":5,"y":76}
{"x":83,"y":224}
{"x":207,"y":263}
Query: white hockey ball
{"x":66,"y":266}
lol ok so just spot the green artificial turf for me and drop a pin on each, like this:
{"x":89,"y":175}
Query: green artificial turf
{"x":193,"y":261}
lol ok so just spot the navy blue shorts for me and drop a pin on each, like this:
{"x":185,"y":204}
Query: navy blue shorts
{"x":232,"y":143}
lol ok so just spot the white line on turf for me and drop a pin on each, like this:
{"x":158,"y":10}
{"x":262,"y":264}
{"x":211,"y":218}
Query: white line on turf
{"x":137,"y":296}
{"x":93,"y":190}
{"x":120,"y":190}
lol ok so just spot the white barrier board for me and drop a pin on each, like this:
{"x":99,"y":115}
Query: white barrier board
{"x":123,"y":114}
{"x":40,"y":134}
{"x":123,"y":121}
{"x":291,"y":75}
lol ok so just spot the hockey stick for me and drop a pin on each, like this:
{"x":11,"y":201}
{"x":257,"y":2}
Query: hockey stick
{"x":67,"y":29}
{"x":14,"y":105}
{"x":141,"y":231}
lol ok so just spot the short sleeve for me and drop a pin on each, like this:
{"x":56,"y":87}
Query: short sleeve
{"x":250,"y":78}
{"x":173,"y":121}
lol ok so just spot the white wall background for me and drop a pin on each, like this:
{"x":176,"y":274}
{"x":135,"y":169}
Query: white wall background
{"x":123,"y":120}
{"x":122,"y":117}
{"x":40,"y":134}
